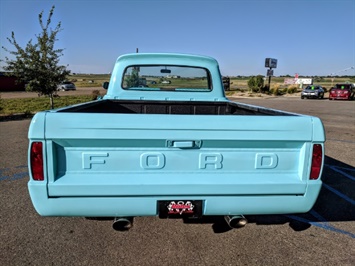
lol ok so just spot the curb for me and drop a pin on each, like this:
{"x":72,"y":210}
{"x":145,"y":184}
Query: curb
{"x":13,"y":117}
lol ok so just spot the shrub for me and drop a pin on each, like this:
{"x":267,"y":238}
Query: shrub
{"x":256,"y":83}
{"x":292,"y":89}
{"x":275,"y":89}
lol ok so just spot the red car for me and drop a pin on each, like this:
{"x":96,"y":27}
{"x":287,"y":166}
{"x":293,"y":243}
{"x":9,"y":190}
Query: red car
{"x":342,"y":91}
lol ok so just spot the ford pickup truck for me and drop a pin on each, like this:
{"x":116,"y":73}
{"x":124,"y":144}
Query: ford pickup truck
{"x":166,"y":142}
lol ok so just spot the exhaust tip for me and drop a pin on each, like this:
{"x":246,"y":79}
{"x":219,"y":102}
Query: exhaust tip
{"x":236,"y":221}
{"x":122,"y":223}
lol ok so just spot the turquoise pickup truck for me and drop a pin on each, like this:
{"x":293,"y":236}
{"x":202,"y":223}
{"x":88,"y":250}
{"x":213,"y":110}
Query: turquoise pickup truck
{"x":166,"y":142}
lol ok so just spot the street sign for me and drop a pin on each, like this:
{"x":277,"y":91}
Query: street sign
{"x":270,"y":72}
{"x":271,"y":62}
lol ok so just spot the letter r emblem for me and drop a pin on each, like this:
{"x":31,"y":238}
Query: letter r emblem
{"x":214,"y":160}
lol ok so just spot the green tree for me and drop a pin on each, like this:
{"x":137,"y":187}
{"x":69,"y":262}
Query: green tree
{"x":256,"y":83}
{"x":133,"y":79}
{"x":37,"y":64}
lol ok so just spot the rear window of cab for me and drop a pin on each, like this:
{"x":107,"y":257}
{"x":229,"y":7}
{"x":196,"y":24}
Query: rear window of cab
{"x":166,"y":78}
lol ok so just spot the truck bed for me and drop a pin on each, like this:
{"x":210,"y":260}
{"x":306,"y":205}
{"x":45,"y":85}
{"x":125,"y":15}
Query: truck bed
{"x":171,"y":107}
{"x":255,"y":159}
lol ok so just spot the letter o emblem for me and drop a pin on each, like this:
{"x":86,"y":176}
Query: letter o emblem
{"x":152,"y":160}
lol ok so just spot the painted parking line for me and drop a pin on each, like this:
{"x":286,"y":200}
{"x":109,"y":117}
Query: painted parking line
{"x":4,"y":173}
{"x":351,"y":201}
{"x":324,"y":225}
{"x":340,"y":171}
{"x":330,"y":227}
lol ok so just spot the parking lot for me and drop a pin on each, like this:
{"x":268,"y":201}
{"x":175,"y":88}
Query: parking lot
{"x":324,"y":236}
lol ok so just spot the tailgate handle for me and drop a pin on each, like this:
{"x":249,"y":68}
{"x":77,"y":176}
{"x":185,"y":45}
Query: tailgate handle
{"x":184,"y":144}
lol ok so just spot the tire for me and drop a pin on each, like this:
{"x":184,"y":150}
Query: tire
{"x":302,"y":97}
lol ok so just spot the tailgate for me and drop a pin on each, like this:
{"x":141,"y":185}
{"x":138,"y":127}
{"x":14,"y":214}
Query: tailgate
{"x":141,"y":155}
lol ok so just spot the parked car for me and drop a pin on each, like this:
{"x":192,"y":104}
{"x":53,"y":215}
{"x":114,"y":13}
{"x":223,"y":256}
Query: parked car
{"x":342,"y":91}
{"x":66,"y":86}
{"x":313,"y":91}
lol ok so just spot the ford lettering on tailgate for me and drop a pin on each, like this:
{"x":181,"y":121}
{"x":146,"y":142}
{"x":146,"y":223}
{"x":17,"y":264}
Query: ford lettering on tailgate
{"x":176,"y":171}
{"x":128,"y":160}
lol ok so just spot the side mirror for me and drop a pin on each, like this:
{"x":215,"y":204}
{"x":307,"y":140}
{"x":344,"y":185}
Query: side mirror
{"x":105,"y":85}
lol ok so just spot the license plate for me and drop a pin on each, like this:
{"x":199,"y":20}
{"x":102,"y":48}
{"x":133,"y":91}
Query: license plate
{"x":180,"y":208}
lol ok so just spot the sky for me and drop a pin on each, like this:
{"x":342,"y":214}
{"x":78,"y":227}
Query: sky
{"x":308,"y":37}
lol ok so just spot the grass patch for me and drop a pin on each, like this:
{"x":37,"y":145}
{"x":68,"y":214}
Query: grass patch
{"x":33,"y":105}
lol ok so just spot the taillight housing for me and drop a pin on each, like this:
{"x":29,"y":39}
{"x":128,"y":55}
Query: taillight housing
{"x":36,"y":158}
{"x":317,"y":161}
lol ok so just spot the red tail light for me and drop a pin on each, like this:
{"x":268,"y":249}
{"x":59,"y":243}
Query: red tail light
{"x":36,"y":158}
{"x":317,"y":160}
